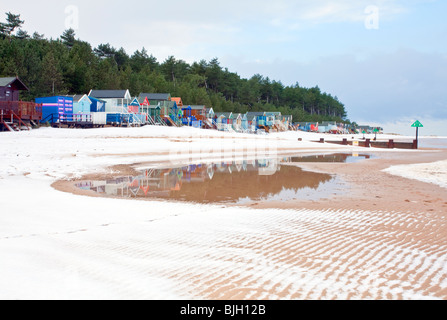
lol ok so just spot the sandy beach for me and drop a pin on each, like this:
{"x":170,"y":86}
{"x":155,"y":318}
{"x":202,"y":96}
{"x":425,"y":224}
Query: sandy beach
{"x":382,"y":238}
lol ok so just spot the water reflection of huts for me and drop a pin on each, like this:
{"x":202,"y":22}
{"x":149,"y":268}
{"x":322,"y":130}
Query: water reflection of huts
{"x":211,"y":182}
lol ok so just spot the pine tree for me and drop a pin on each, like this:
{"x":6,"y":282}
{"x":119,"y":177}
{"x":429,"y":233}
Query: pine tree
{"x":13,"y":22}
{"x":68,"y":37}
{"x":52,"y":79}
{"x":70,"y":65}
{"x":21,"y":34}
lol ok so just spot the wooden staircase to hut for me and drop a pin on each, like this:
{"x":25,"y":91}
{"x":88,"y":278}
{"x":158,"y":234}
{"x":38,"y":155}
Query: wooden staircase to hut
{"x":150,"y":120}
{"x":11,"y":126}
{"x":210,"y":124}
{"x":12,"y":122}
{"x":170,"y":121}
{"x":173,"y":118}
{"x":160,"y":121}
{"x":19,"y":115}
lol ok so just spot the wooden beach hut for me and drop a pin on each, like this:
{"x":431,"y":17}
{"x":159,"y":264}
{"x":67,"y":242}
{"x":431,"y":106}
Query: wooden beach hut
{"x":210,"y":120}
{"x":98,"y":111}
{"x":81,"y":108}
{"x":187,"y":112}
{"x":10,"y":88}
{"x":116,"y":108}
{"x":288,"y":121}
{"x":134,"y":106}
{"x":187,"y":116}
{"x":117,"y":101}
{"x":56,"y":109}
{"x":170,"y":112}
{"x":178,"y":101}
{"x":81,"y":104}
{"x":272,"y":117}
{"x":144,"y":104}
{"x":199,"y":112}
{"x":244,"y":123}
{"x":237,"y":122}
{"x":210,"y":113}
{"x":258,"y":120}
{"x":97,"y":105}
{"x":155,"y":98}
{"x":16,"y":114}
{"x":224,"y":121}
{"x":154,"y":112}
{"x":221,"y":121}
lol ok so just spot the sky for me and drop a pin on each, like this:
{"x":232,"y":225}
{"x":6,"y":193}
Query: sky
{"x":386,"y":60}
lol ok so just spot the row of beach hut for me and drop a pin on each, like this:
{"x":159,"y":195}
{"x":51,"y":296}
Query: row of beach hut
{"x":119,"y":108}
{"x":335,"y":128}
{"x":252,"y":122}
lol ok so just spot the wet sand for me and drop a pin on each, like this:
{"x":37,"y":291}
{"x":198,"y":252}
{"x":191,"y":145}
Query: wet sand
{"x":372,"y":189}
{"x":380,"y":212}
{"x":385,"y":239}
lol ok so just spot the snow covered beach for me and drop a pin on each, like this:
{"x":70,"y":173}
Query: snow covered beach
{"x":61,"y":245}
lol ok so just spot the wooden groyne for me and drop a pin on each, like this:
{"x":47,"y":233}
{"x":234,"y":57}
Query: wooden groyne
{"x":367,"y":143}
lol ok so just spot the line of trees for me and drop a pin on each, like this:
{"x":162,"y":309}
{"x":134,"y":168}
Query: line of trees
{"x":71,"y":66}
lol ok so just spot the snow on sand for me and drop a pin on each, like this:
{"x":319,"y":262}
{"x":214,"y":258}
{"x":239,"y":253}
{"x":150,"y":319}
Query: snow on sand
{"x":435,"y":173}
{"x":56,"y":245}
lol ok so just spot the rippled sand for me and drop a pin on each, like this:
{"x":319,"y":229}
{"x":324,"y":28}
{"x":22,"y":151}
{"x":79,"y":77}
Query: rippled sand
{"x":384,"y":239}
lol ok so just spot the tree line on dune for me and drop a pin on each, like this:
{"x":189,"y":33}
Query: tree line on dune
{"x":68,"y":65}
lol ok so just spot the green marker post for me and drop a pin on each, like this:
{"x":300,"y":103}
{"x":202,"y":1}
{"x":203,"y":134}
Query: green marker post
{"x":417,"y":125}
{"x":376,"y":130}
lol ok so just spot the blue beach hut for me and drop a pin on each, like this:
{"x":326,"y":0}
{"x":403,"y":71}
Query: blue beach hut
{"x":244,"y":123}
{"x":97,"y":105}
{"x":81,"y":104}
{"x":56,"y":108}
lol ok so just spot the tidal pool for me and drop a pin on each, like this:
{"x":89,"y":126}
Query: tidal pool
{"x":236,"y":182}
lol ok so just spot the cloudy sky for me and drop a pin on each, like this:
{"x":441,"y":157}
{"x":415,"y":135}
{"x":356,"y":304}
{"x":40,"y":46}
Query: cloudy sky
{"x":386,"y":60}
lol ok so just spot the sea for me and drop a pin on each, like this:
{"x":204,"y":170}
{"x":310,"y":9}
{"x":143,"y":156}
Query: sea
{"x":429,"y":142}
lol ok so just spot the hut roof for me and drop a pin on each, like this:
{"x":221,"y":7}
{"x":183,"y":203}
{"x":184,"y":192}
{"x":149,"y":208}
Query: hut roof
{"x":227,"y":115}
{"x":197,"y":107}
{"x":13,"y":81}
{"x":156,"y":96}
{"x":178,"y":100}
{"x":255,"y":114}
{"x":110,"y":94}
{"x":135,"y":102}
{"x":78,"y":97}
{"x":96,"y":99}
